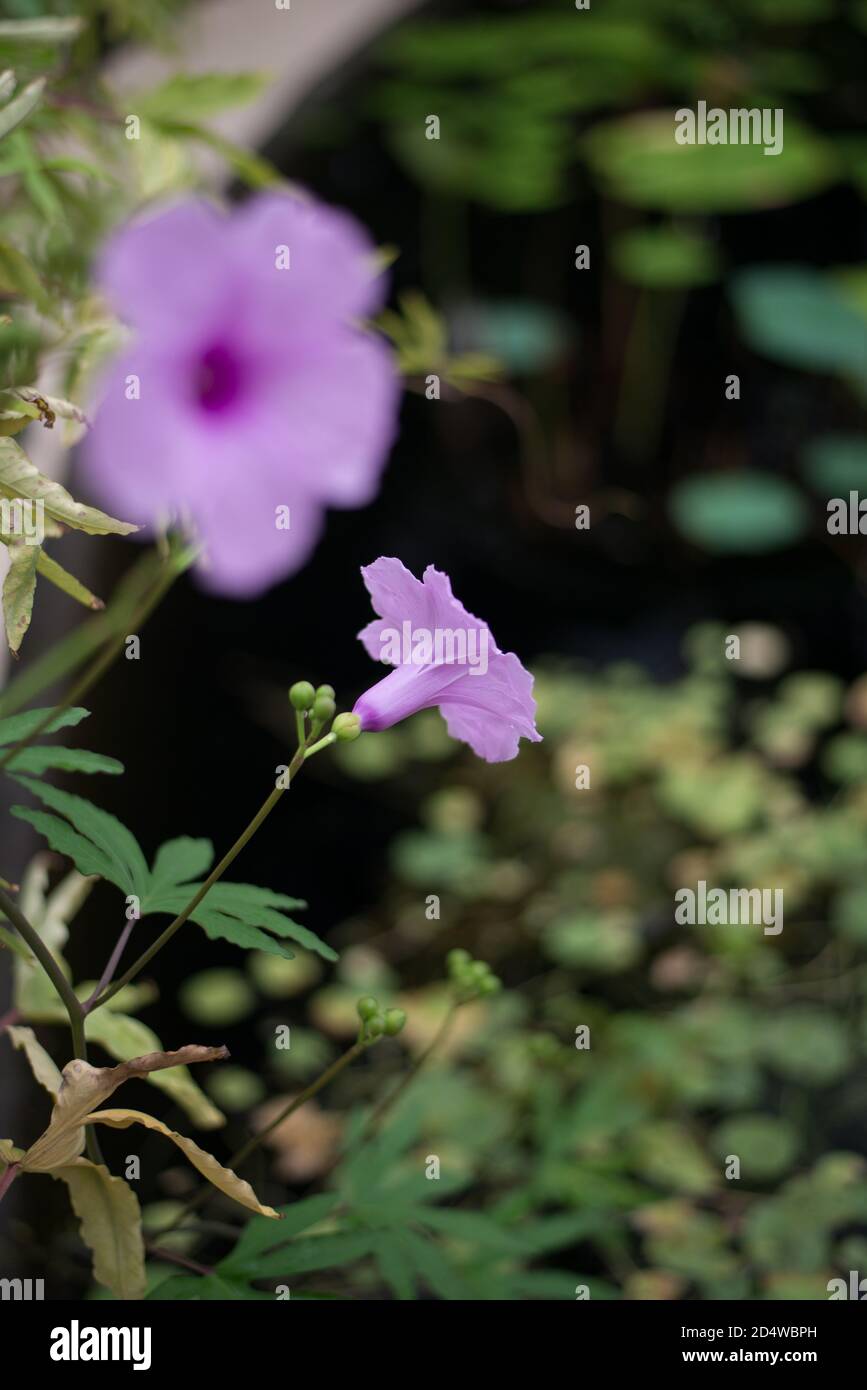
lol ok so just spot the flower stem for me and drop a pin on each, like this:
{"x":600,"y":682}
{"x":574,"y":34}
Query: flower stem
{"x":213,"y":877}
{"x":439,"y":1037}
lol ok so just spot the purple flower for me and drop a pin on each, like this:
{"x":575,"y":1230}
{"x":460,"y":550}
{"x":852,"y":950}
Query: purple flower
{"x":443,"y":656}
{"x":248,"y":389}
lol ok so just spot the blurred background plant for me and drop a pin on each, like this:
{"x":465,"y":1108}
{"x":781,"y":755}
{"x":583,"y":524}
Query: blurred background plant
{"x":561,"y":1165}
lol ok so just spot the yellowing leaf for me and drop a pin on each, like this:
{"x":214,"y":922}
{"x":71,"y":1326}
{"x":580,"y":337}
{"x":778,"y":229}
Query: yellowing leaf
{"x":20,"y":478}
{"x":222,"y":1178}
{"x":19,"y":588}
{"x":84,"y":1087}
{"x":110,"y":1218}
{"x":126,"y":1037}
{"x":42,"y":1066}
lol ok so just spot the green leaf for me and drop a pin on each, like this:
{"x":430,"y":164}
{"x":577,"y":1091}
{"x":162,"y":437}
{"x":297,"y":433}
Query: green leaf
{"x":395,"y":1265}
{"x":12,"y":941}
{"x":474,"y":1227}
{"x":179,"y":861}
{"x":20,"y":479}
{"x":243,"y":914}
{"x":637,"y":161}
{"x":191,"y":96}
{"x":39,"y":760}
{"x":665,"y":258}
{"x":836,"y":464}
{"x":108,"y":840}
{"x":183,"y":1288}
{"x":21,"y":106}
{"x":17,"y":276}
{"x":20,"y":726}
{"x":260,"y":1235}
{"x":435,"y":1269}
{"x":315,"y":1252}
{"x":800,"y":317}
{"x":19,"y":588}
{"x":766,"y":1145}
{"x":745,"y":512}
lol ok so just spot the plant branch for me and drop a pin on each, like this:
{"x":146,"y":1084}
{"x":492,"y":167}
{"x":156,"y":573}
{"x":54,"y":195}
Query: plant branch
{"x":213,"y":877}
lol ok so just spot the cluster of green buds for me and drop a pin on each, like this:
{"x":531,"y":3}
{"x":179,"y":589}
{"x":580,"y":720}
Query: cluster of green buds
{"x":472,"y":979}
{"x":377,"y":1022}
{"x":319,"y":706}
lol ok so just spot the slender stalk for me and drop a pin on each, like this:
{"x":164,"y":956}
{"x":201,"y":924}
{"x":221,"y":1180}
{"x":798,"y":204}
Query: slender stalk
{"x":439,"y":1037}
{"x":213,"y":877}
{"x":73,"y":1005}
{"x":34,"y":941}
{"x":112,"y":963}
{"x":242,"y":1154}
{"x":8,"y":1179}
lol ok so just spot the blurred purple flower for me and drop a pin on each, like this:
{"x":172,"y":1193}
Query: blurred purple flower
{"x":443,"y":656}
{"x":247,"y":389}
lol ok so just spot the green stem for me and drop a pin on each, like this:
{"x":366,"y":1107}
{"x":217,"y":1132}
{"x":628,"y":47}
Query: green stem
{"x":439,"y":1037}
{"x":71,"y":1002}
{"x":242,"y":1154}
{"x":213,"y":877}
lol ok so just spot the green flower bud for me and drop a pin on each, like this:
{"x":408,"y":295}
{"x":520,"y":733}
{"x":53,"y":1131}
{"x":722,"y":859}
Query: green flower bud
{"x":367,"y":1008}
{"x":478,"y":971}
{"x":456,"y":961}
{"x":491,"y":984}
{"x":302,"y":695}
{"x":394,"y":1021}
{"x":375,"y":1027}
{"x":324,"y":708}
{"x":346,"y":727}
{"x":326,"y":690}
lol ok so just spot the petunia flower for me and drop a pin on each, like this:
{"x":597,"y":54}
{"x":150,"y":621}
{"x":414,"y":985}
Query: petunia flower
{"x":250,"y":399}
{"x":443,"y":657}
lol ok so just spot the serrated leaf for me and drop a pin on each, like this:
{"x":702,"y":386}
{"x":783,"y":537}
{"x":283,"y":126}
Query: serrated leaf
{"x":110,"y":1219}
{"x":39,"y":760}
{"x":62,"y":838}
{"x":41,"y":1064}
{"x":115,"y":845}
{"x":315,"y":1252}
{"x":474,"y":1227}
{"x":124,"y":1037}
{"x":222,"y":1178}
{"x":19,"y":726}
{"x":19,"y":588}
{"x":20,"y":107}
{"x":433,"y":1267}
{"x":19,"y":478}
{"x":261,"y":1235}
{"x":179,"y":861}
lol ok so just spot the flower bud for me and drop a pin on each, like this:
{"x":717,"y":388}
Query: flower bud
{"x":394,"y":1021}
{"x":479,"y":971}
{"x":456,"y":961}
{"x":324,"y":708}
{"x":491,"y":984}
{"x":367,"y":1008}
{"x":346,"y":727}
{"x":375,"y":1027}
{"x":301,"y":696}
{"x":326,"y":690}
